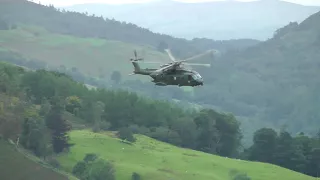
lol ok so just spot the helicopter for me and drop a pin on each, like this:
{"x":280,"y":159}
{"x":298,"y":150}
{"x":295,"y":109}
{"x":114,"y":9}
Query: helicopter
{"x":173,"y":73}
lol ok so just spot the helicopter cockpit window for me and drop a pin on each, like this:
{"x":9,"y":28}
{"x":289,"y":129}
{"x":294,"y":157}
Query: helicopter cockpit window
{"x":196,"y":76}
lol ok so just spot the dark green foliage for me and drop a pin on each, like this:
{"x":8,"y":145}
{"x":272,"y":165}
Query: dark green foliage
{"x":54,"y":163}
{"x":125,"y":112}
{"x":90,"y":157}
{"x":79,"y":169}
{"x":9,"y":79}
{"x":236,"y":175}
{"x":34,"y":136}
{"x":265,"y":141}
{"x":58,"y":125}
{"x":126,"y":134}
{"x":135,"y":176}
{"x":116,"y":77}
{"x":241,"y":177}
{"x":218,"y":133}
{"x":300,"y":153}
{"x":94,"y":169}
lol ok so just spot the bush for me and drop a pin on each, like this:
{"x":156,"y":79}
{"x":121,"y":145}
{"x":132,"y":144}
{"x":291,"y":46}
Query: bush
{"x":105,"y":125}
{"x":236,"y":175}
{"x":54,"y":163}
{"x":96,"y":128}
{"x":241,"y":177}
{"x":135,"y":176}
{"x":79,"y":169}
{"x":126,"y":134}
{"x":90,"y":157}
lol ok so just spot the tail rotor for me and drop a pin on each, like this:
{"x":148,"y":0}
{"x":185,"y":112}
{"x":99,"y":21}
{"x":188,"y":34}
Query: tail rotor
{"x":136,"y":57}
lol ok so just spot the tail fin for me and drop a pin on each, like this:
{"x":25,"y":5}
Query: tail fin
{"x":136,"y":66}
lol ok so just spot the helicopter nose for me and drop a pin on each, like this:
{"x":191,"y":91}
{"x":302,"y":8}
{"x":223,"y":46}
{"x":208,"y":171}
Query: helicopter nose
{"x":200,"y":82}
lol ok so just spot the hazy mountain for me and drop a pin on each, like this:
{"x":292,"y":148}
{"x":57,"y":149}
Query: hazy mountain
{"x":276,"y":81}
{"x":215,"y":20}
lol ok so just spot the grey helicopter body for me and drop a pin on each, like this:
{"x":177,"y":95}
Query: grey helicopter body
{"x":170,"y":74}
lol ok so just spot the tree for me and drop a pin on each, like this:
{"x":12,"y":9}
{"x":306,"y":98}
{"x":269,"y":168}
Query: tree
{"x":79,"y":169}
{"x":90,"y":157}
{"x":58,"y":125}
{"x":102,"y":170}
{"x":73,"y":104}
{"x":98,"y":109}
{"x":126,"y":134}
{"x":135,"y":176}
{"x":116,"y":77}
{"x":34,"y":136}
{"x":94,"y":168}
{"x":162,"y":46}
{"x":208,"y":139}
{"x":264,"y":145}
{"x":187,"y":130}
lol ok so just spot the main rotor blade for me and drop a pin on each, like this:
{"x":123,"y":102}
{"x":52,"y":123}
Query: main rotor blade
{"x":195,"y":64}
{"x":197,"y":56}
{"x":146,"y":62}
{"x":135,"y":54}
{"x":170,"y":55}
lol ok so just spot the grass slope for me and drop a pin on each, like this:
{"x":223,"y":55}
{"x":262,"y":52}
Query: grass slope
{"x":94,"y":57}
{"x":160,"y":161}
{"x":16,"y":166}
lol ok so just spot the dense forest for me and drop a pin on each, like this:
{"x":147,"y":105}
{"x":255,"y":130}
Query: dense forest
{"x":38,"y":108}
{"x":49,"y":95}
{"x":275,"y":82}
{"x":300,"y":153}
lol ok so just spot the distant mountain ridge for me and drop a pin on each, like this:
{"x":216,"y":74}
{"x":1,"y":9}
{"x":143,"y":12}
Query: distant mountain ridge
{"x":215,"y":20}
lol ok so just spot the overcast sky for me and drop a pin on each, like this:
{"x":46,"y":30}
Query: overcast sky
{"x":71,"y":2}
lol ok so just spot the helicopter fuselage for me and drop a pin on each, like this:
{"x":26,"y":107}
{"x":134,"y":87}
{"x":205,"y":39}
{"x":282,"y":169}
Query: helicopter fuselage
{"x":178,"y":77}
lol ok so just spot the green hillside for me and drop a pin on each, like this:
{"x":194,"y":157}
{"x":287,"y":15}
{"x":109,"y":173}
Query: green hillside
{"x":93,"y":57}
{"x":42,"y":107}
{"x":276,"y":82}
{"x":92,"y":26}
{"x":15,"y":166}
{"x":160,"y":161}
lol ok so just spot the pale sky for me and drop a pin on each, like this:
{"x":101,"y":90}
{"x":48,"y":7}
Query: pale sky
{"x":61,"y":3}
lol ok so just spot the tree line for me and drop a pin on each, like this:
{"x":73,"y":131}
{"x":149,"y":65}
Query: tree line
{"x":52,"y":95}
{"x":299,"y":153}
{"x":40,"y":107}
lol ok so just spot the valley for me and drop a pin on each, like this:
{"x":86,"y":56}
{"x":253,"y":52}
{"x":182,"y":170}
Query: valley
{"x":256,"y":117}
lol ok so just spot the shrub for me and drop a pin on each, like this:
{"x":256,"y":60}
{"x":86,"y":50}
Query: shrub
{"x":126,"y":134}
{"x":135,"y":176}
{"x":79,"y":169}
{"x":54,"y":163}
{"x":90,"y":157}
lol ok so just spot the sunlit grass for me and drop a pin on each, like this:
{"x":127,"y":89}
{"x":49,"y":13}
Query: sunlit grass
{"x":160,"y":161}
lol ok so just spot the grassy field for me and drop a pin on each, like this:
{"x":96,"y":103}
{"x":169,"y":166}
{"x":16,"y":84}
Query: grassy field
{"x":160,"y":161}
{"x":90,"y":56}
{"x":16,"y":166}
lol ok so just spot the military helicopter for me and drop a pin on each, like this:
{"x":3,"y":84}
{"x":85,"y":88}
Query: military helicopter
{"x":173,"y":73}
